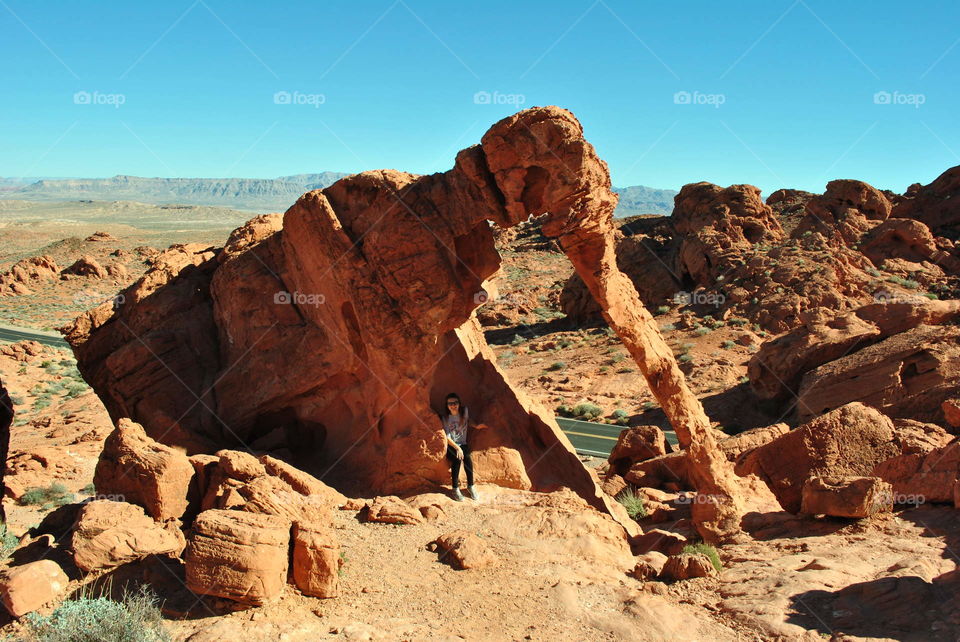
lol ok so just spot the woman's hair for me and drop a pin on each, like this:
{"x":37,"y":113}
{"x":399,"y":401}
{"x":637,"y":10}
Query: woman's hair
{"x":446,"y":409}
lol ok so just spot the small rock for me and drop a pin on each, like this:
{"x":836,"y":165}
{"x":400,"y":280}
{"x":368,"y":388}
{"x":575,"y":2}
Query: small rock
{"x":28,"y":587}
{"x":687,"y":566}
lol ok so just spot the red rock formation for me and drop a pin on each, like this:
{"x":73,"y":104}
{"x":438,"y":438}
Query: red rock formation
{"x":86,"y":266}
{"x":936,"y":205}
{"x":776,"y":369}
{"x":719,"y":225}
{"x":26,"y":272}
{"x":907,"y":376}
{"x":848,"y":441}
{"x":341,"y":332}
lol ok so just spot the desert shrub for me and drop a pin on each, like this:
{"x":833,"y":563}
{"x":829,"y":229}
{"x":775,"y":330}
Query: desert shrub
{"x":53,"y":496}
{"x":669,"y":327}
{"x":728,"y":344}
{"x":633,"y":503}
{"x":557,"y":366}
{"x":705,"y":549}
{"x":8,"y":542}
{"x":703,"y":331}
{"x":587,"y":411}
{"x":135,"y":618}
{"x":737,"y":322}
{"x":663,"y":309}
{"x":517,"y":340}
{"x":686,"y":357}
{"x":564,"y":410}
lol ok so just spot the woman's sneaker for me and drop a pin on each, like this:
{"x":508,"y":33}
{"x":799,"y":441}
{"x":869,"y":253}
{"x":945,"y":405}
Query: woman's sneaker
{"x":457,"y":495}
{"x":472,"y":492}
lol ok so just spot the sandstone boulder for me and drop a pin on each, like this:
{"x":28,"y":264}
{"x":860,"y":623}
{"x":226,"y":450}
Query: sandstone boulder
{"x":27,"y":587}
{"x":848,"y":441}
{"x":686,"y":566}
{"x":649,"y":566}
{"x":87,"y":266}
{"x":854,"y":497}
{"x":657,"y":540}
{"x":108,"y":534}
{"x":635,"y":444}
{"x":145,"y":472}
{"x":393,"y":510}
{"x":316,"y":560}
{"x":238,"y":556}
{"x":464,"y":550}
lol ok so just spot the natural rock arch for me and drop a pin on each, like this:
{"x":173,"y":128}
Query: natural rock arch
{"x":354,"y":312}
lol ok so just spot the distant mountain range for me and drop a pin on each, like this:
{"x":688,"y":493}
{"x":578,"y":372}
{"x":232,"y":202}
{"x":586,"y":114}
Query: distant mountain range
{"x":253,"y":194}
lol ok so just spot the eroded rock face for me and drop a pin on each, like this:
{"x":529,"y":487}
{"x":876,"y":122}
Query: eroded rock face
{"x":239,"y":556}
{"x":316,"y":559}
{"x":776,"y":370}
{"x":935,"y":205}
{"x":906,"y":375}
{"x":144,"y":472}
{"x":108,"y":534}
{"x":719,"y":225}
{"x":339,"y":329}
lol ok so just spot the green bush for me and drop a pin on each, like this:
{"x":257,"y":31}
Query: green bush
{"x":53,"y":496}
{"x":633,"y":503}
{"x":619,"y":414}
{"x":685,"y":357}
{"x":563,"y":410}
{"x":663,"y":309}
{"x":136,"y":618}
{"x":587,"y":411}
{"x":8,"y":542}
{"x":705,"y":549}
{"x":556,"y":366}
{"x":702,"y":331}
{"x":728,"y":344}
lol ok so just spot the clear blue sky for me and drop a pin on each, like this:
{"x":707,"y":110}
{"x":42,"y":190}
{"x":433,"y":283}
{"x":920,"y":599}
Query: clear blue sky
{"x":398,"y":80}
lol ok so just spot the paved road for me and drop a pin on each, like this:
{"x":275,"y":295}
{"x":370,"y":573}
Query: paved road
{"x":12,"y":334}
{"x":589,"y":438}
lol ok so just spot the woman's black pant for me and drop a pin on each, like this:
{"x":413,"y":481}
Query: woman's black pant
{"x":455,"y":465}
